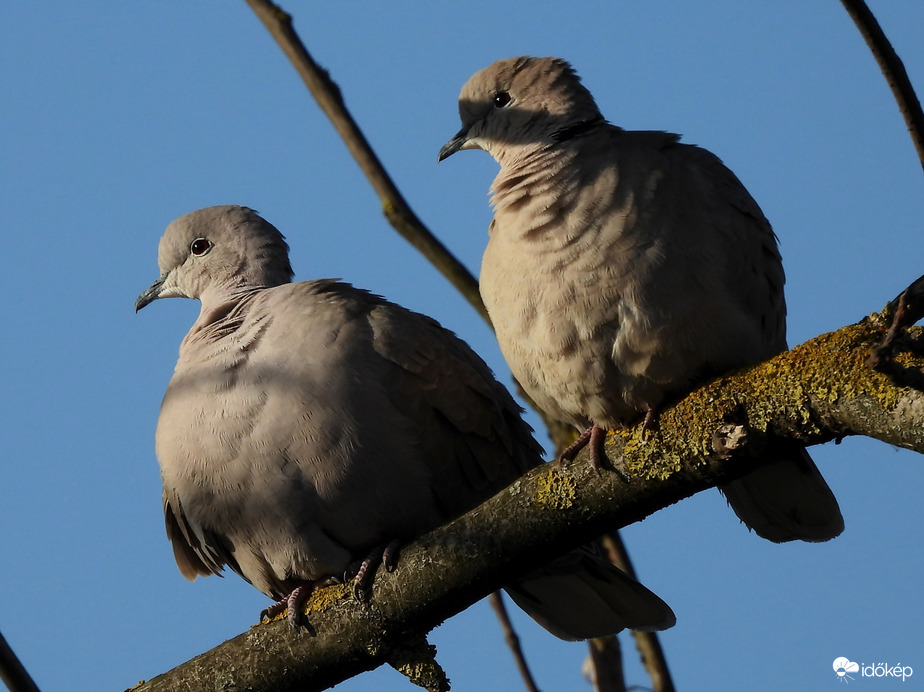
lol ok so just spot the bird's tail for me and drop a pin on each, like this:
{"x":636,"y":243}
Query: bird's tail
{"x":581,"y":595}
{"x":786,"y":499}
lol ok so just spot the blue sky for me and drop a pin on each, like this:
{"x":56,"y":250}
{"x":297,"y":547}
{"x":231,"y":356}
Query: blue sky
{"x":118,"y":117}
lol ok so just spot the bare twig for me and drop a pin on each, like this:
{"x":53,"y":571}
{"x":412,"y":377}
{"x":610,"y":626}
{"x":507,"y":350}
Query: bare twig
{"x":647,"y":643}
{"x":892,"y":68}
{"x":603,"y":671}
{"x":604,"y":665}
{"x":907,"y":309}
{"x":396,"y":209}
{"x":513,"y":641}
{"x":12,"y":672}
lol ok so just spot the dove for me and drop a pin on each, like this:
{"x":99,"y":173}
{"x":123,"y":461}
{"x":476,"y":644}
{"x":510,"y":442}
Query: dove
{"x":310,"y":427}
{"x":622,"y":269}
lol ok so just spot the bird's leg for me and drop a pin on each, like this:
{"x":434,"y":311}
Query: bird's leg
{"x":272,"y":611}
{"x":650,"y":423}
{"x":597,"y":440}
{"x":390,"y":555}
{"x":365,"y":573}
{"x":571,"y":451}
{"x":295,"y":601}
{"x":595,"y":436}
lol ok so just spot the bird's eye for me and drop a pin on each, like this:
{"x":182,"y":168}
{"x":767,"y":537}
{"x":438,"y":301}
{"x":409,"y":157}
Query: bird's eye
{"x":200,"y":246}
{"x":501,"y":99}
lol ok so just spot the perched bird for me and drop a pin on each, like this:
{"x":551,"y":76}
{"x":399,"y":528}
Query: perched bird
{"x":309,"y":424}
{"x":622,"y":269}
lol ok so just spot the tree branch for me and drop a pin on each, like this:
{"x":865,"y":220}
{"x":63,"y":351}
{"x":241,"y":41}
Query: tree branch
{"x":892,"y":69}
{"x":12,"y":672}
{"x":647,"y":643}
{"x":604,"y":665}
{"x":816,"y":392}
{"x":399,"y":214}
{"x":513,"y":641}
{"x":396,"y":209}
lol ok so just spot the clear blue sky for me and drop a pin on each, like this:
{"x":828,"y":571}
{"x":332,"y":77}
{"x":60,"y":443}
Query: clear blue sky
{"x":118,"y":117}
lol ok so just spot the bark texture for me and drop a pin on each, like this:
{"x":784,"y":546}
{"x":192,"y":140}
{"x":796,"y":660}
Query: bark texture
{"x":821,"y":390}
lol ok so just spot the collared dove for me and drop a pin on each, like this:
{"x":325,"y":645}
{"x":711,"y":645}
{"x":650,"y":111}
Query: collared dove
{"x":308,"y":424}
{"x":623,"y":268}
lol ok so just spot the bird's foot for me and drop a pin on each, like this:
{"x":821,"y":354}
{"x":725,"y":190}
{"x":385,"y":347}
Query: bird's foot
{"x":650,"y":424}
{"x":293,"y":603}
{"x":594,"y":437}
{"x":571,"y":451}
{"x":365,"y":571}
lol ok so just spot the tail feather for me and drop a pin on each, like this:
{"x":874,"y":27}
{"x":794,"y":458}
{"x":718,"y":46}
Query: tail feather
{"x":786,"y":499}
{"x":581,"y":596}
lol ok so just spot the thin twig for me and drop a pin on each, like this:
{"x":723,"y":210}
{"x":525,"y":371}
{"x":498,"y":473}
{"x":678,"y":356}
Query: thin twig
{"x":647,"y":643}
{"x":892,"y":68}
{"x":604,"y":662}
{"x":605,"y":665}
{"x":327,"y":94}
{"x":901,"y":313}
{"x":12,"y":672}
{"x":513,"y":641}
{"x":907,"y":309}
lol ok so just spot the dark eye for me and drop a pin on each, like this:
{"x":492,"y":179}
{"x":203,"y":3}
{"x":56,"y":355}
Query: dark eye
{"x":501,"y":99}
{"x":200,"y":246}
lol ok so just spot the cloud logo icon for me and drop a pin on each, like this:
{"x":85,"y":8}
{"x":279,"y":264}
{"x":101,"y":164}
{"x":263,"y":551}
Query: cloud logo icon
{"x":842,"y":666}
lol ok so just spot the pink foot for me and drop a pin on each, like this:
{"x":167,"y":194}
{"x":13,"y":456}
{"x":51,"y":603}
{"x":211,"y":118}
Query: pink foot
{"x":293,"y":603}
{"x":595,"y":437}
{"x":650,"y":423}
{"x":365,"y":574}
{"x":571,"y":451}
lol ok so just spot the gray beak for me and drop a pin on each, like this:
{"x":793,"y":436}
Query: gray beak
{"x":454,"y":144}
{"x":151,"y":294}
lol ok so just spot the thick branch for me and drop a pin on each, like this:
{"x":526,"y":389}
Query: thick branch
{"x":396,"y":209}
{"x":816,"y":392}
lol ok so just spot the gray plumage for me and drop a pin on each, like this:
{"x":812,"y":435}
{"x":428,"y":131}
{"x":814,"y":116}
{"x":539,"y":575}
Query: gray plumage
{"x":308,"y":423}
{"x":623,"y":268}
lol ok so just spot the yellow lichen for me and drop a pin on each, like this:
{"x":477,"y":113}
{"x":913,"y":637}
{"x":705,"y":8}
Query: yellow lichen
{"x":824,"y":361}
{"x":388,"y":208}
{"x":828,"y":368}
{"x":416,"y":659}
{"x":555,"y":490}
{"x":320,"y":600}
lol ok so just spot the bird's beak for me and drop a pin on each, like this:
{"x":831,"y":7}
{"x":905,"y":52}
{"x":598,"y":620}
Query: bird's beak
{"x":455,"y":144}
{"x":152,"y":293}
